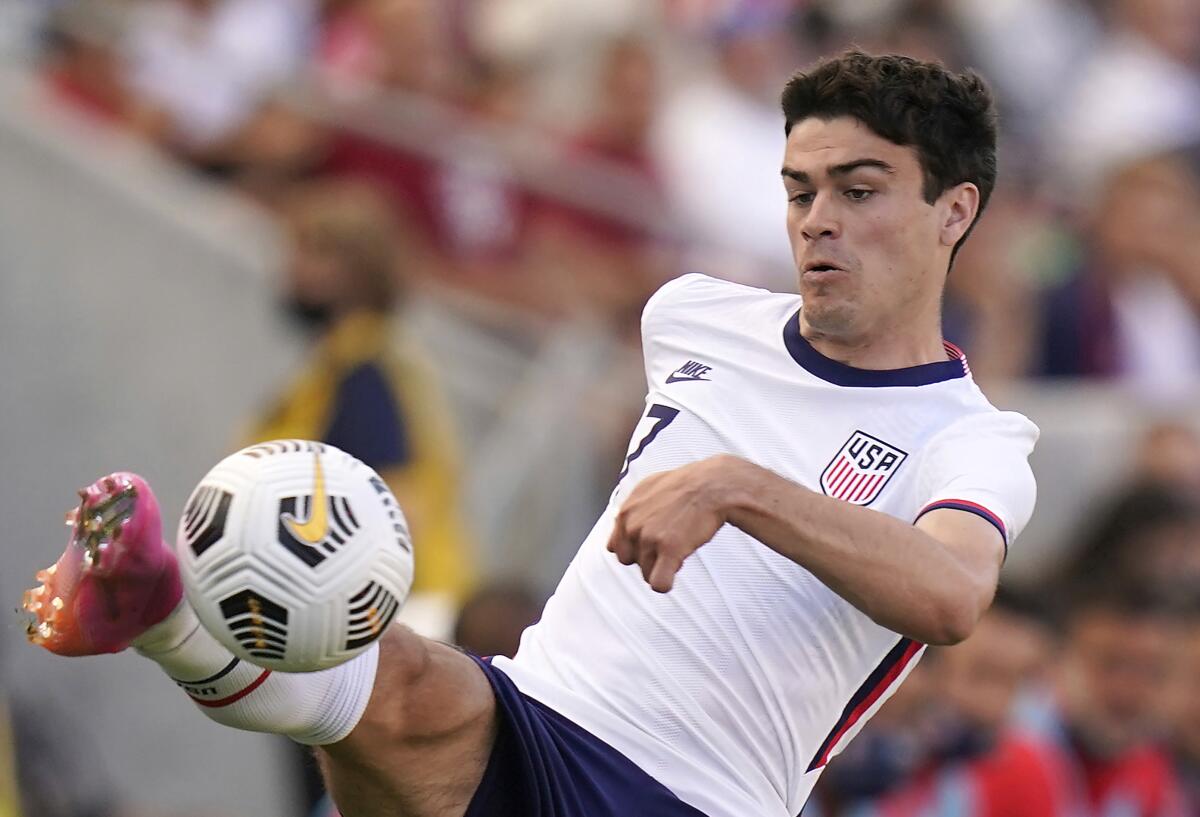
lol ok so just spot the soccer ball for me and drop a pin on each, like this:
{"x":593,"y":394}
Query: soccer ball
{"x":294,"y":555}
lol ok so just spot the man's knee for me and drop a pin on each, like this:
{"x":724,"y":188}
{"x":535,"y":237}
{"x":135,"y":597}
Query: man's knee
{"x":427,"y":731}
{"x":424,"y":690}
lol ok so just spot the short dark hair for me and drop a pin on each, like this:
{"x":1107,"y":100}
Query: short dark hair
{"x":1120,"y":597}
{"x":950,"y":119}
{"x":1121,"y":522}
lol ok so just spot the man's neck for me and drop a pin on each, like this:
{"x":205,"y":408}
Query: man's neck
{"x":879,"y":351}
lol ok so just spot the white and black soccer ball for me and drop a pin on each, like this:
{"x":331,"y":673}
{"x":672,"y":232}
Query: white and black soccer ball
{"x":294,"y":554}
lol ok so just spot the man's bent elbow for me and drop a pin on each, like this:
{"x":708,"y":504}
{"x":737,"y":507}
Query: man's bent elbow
{"x":957,"y":617}
{"x":941,"y":623}
{"x":949,"y":631}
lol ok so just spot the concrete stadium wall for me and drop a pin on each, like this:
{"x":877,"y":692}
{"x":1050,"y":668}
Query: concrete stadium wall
{"x":134,"y":334}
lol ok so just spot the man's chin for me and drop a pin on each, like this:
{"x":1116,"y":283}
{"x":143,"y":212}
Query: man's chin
{"x":826,"y":319}
{"x":1103,"y":741}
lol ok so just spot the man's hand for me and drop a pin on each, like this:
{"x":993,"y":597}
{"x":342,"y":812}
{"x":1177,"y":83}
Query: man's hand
{"x":930,"y":581}
{"x":670,"y":515}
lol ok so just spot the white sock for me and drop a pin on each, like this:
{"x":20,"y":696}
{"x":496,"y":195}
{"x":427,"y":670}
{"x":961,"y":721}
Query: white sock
{"x":315,"y":708}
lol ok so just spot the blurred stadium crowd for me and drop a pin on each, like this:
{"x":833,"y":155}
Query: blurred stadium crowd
{"x":539,"y":164}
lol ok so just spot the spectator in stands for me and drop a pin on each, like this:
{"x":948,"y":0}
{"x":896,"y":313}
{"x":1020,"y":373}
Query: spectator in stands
{"x":1119,"y":643}
{"x":619,"y":257}
{"x":1136,"y":96}
{"x":1185,"y":712}
{"x":492,"y":619}
{"x":449,"y":167}
{"x":1169,"y":454}
{"x":974,"y":762}
{"x":889,"y":751}
{"x":1133,"y":311}
{"x":204,"y":70}
{"x":723,"y":182}
{"x":1056,"y":38}
{"x":922,"y":29}
{"x":991,"y":309}
{"x":366,"y":47}
{"x":366,"y":390}
{"x":480,"y":208}
{"x":1149,"y":532}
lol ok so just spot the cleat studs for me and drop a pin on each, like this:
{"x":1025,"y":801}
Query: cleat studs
{"x":28,"y":622}
{"x":30,"y":600}
{"x":57,"y":603}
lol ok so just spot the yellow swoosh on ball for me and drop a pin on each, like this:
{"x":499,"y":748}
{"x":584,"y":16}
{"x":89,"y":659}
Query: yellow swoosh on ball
{"x":313,"y":531}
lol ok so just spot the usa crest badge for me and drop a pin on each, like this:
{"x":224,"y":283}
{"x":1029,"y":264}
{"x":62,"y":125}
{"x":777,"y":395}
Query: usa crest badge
{"x":861,"y":469}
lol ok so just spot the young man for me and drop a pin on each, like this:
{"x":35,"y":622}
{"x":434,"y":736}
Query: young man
{"x":975,"y":762}
{"x":1120,"y":645}
{"x":816,"y":490}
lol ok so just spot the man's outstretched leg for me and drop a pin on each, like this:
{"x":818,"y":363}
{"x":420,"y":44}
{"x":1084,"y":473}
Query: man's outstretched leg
{"x":404,"y":728}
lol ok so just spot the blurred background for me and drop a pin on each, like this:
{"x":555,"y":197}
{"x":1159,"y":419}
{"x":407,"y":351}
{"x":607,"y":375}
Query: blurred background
{"x":423,"y":230}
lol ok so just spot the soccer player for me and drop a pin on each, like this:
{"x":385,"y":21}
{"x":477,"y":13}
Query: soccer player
{"x":816,"y":490}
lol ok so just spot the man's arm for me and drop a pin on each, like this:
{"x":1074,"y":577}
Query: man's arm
{"x":930,"y":581}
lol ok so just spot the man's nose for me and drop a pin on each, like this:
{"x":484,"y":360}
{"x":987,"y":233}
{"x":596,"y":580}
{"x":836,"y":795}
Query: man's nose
{"x":821,"y":220}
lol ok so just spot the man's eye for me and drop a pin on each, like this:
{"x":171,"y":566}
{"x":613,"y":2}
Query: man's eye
{"x":801,"y":198}
{"x":859,"y":194}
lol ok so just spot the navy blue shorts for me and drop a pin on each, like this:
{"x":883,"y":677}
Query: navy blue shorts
{"x":543,"y":765}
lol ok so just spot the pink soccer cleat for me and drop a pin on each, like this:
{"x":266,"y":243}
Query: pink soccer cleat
{"x":116,"y":578}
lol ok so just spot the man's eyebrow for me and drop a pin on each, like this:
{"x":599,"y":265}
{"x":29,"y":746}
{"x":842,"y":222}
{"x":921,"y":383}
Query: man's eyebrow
{"x":838,"y":170}
{"x":850,"y":167}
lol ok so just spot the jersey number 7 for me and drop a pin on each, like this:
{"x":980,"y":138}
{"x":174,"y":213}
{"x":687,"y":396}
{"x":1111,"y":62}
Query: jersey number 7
{"x":662,"y":416}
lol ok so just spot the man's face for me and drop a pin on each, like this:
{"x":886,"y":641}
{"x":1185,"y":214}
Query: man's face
{"x":869,"y":249}
{"x":1115,"y":671}
{"x":982,"y":676}
{"x":1185,"y":700}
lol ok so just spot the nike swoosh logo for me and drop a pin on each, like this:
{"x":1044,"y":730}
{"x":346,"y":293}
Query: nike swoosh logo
{"x":316,"y":528}
{"x":675,"y":378}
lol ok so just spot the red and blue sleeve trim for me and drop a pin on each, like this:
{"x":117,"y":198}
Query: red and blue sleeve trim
{"x":969,"y":507}
{"x":881,"y":679}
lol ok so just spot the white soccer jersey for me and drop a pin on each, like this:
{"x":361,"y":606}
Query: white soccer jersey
{"x":735,"y":688}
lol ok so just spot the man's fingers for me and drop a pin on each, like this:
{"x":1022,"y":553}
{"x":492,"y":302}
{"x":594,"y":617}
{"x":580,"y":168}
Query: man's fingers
{"x":626,"y":553}
{"x":645,"y":559}
{"x":619,"y":543}
{"x":662,"y":575}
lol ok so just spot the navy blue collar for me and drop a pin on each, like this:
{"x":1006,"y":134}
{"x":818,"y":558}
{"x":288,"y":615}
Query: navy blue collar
{"x":842,"y":375}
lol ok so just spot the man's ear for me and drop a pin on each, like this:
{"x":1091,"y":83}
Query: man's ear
{"x":962,"y":206}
